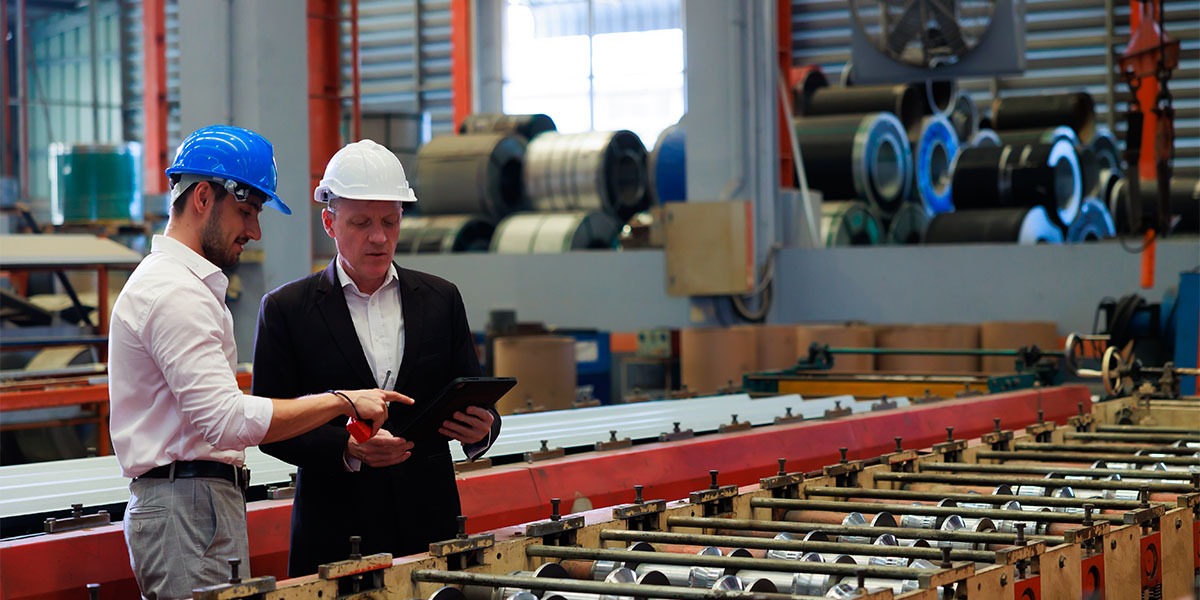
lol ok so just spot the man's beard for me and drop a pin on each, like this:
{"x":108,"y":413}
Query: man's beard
{"x":212,"y":244}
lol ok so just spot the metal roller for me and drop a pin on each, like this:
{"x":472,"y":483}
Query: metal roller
{"x":1076,"y":110}
{"x":935,"y":147}
{"x":866,"y":157}
{"x":1020,"y":225}
{"x":526,"y":126}
{"x":1183,"y":198}
{"x":1107,"y":150}
{"x":472,"y":174}
{"x":1012,"y":176}
{"x":965,"y":116}
{"x":1039,"y":135}
{"x":555,"y":232}
{"x":941,"y":96}
{"x":984,"y":138}
{"x":1094,"y":223}
{"x":907,"y":101}
{"x":805,"y":80}
{"x":598,"y":170}
{"x":908,"y":225}
{"x":849,"y":224}
{"x":668,"y":166}
{"x":442,"y":234}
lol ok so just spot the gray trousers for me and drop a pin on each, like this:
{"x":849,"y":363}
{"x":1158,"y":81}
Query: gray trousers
{"x":181,"y":534}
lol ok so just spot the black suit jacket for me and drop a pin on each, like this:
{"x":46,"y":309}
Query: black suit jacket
{"x":306,"y":343}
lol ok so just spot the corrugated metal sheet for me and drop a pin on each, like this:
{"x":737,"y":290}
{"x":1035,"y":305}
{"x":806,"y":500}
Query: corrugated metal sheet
{"x":1070,"y":45}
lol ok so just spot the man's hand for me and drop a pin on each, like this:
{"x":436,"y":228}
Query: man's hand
{"x":383,"y":450}
{"x":469,"y":427}
{"x":371,"y":405}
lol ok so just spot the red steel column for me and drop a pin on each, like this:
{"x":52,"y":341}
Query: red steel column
{"x":324,"y":85}
{"x":460,"y":58}
{"x":154,"y":94}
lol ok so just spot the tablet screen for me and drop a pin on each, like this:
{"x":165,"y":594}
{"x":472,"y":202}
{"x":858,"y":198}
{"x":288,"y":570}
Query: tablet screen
{"x":456,"y":396}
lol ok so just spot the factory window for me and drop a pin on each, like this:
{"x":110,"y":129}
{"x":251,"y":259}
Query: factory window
{"x":595,"y":64}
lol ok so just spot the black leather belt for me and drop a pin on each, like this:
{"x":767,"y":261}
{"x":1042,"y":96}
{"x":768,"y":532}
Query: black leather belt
{"x":184,"y":469}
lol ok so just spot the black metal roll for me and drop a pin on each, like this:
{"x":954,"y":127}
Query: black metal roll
{"x":1094,"y":223}
{"x":526,"y":126}
{"x":849,"y":223}
{"x":1039,"y":135}
{"x":555,"y":232}
{"x":907,"y":101}
{"x":1107,"y":151}
{"x":965,"y":116}
{"x":908,"y":225}
{"x":867,"y":157}
{"x":941,"y":95}
{"x":598,"y":170}
{"x":1076,"y":110}
{"x":1021,"y":225}
{"x":443,"y":234}
{"x":1183,"y":199}
{"x":935,"y":147}
{"x":1012,"y":176}
{"x":983,"y":138}
{"x":472,"y":174}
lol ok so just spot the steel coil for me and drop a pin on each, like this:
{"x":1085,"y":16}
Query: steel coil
{"x":555,"y":232}
{"x":472,"y":174}
{"x":1021,"y":225}
{"x":442,"y":234}
{"x":907,"y":101}
{"x":935,"y":149}
{"x":668,"y":166}
{"x":941,"y":95}
{"x":965,"y":116}
{"x":1039,"y":135}
{"x":1094,"y":223}
{"x":599,"y":170}
{"x":867,"y":157}
{"x":984,"y":138}
{"x":849,"y":223}
{"x":526,"y":126}
{"x":805,"y":80}
{"x":1183,"y":198}
{"x":1012,"y":176}
{"x":1076,"y":110}
{"x":908,"y":225}
{"x":1107,"y":152}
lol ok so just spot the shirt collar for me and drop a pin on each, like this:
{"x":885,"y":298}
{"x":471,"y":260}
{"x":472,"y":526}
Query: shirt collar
{"x":346,"y":281}
{"x":174,"y":248}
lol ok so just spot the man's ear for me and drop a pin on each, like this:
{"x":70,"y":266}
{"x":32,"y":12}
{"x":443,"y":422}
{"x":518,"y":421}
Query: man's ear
{"x":202,"y":195}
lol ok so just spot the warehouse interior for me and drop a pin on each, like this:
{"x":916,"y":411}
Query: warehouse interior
{"x":746,"y":260}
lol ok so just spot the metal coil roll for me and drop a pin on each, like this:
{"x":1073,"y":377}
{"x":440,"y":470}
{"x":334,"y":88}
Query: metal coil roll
{"x":1076,"y":110}
{"x":908,"y":225}
{"x":965,"y":116}
{"x":907,"y":101}
{"x":806,"y":79}
{"x":526,"y":126}
{"x":599,"y":170}
{"x":1183,"y":198}
{"x":1039,"y":135}
{"x":984,"y":138}
{"x":472,"y":174}
{"x":935,"y":149}
{"x":668,"y":166}
{"x":849,"y":223}
{"x":555,"y":232}
{"x":443,"y":234}
{"x":1025,"y":226}
{"x":941,"y":95}
{"x":867,"y":157}
{"x":1094,"y":223}
{"x":1107,"y":152}
{"x":1011,"y":176}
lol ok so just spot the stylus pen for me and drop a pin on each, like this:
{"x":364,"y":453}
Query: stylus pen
{"x":386,"y":379}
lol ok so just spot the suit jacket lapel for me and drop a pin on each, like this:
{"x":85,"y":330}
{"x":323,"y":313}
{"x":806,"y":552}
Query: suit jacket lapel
{"x":331,"y":302}
{"x":412,"y":306}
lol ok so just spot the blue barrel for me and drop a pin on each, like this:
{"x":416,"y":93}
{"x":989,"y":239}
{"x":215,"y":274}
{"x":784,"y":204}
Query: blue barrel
{"x":668,"y":166}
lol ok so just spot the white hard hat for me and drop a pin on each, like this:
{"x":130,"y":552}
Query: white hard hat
{"x":364,"y":170}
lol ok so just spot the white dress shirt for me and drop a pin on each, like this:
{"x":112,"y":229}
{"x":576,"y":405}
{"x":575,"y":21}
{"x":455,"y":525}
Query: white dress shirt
{"x":171,"y":366}
{"x":378,"y":322}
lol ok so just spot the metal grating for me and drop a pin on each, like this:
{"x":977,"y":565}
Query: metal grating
{"x":1065,"y":50}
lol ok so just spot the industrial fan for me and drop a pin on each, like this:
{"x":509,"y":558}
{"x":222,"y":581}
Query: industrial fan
{"x":906,"y":40}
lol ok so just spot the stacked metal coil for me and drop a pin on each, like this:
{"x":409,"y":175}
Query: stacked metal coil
{"x":599,"y":170}
{"x":554,"y":232}
{"x":442,"y":234}
{"x":849,"y":223}
{"x":668,"y":165}
{"x":1076,"y":110}
{"x":935,"y":146}
{"x":1094,"y":223}
{"x":1025,"y":226}
{"x":526,"y":126}
{"x":908,"y":225}
{"x":1045,"y":174}
{"x":1183,"y":200}
{"x":866,"y":157}
{"x":476,"y":173}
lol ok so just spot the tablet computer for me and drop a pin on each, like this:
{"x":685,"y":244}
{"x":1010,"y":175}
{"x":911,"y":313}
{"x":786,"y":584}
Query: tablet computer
{"x":459,"y":394}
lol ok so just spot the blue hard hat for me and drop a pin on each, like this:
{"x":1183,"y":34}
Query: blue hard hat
{"x":229,"y":153}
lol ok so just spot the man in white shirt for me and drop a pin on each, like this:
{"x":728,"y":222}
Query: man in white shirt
{"x":365,"y":321}
{"x":179,"y":421}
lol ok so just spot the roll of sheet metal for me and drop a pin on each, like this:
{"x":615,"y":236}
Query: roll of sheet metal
{"x":866,"y":157}
{"x":668,"y":166}
{"x":1039,"y":135}
{"x":941,"y":95}
{"x":446,"y":233}
{"x":598,"y":170}
{"x":526,"y":126}
{"x":1094,"y":223}
{"x":1076,"y":110}
{"x":1025,"y":226}
{"x":935,"y":148}
{"x":849,"y":223}
{"x":984,"y":138}
{"x":908,"y":225}
{"x":805,"y":80}
{"x":555,"y":232}
{"x":906,"y":101}
{"x":1183,"y":199}
{"x":1035,"y":174}
{"x":965,"y":116}
{"x":1107,"y":152}
{"x":472,"y":174}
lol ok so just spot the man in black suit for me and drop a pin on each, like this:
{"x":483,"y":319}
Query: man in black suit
{"x":363,"y":322}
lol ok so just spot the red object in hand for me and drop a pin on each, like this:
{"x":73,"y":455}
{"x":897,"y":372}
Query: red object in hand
{"x":359,"y":430}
